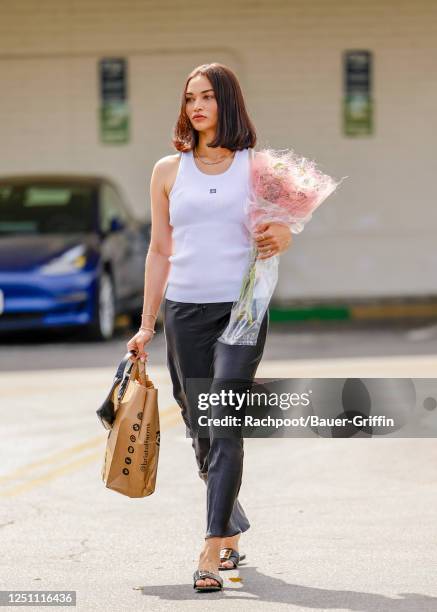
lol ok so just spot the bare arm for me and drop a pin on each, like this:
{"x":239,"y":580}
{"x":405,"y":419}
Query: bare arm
{"x":157,"y":266}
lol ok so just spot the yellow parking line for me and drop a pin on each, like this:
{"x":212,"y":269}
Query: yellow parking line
{"x":71,"y":467}
{"x":73,"y":450}
{"x":67,"y":452}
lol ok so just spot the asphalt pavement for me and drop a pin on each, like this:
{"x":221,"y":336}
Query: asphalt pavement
{"x":336,"y":524}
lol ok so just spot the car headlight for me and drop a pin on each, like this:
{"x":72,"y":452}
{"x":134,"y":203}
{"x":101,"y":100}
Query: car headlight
{"x":71,"y":261}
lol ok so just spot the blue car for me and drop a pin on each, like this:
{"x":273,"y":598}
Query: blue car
{"x":71,"y":254}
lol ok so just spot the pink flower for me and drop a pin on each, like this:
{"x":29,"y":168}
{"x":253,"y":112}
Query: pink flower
{"x":286,"y":187}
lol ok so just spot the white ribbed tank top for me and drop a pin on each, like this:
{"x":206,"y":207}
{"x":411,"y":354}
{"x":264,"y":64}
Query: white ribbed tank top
{"x":211,"y":243}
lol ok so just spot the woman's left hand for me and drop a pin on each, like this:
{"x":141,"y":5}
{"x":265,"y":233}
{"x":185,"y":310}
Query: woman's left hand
{"x":272,"y":239}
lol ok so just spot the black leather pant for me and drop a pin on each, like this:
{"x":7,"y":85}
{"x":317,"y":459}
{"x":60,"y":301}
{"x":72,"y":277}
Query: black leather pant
{"x":191,"y":332}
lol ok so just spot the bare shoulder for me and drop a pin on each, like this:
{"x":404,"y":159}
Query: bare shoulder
{"x":166,"y":169}
{"x":168,"y":161}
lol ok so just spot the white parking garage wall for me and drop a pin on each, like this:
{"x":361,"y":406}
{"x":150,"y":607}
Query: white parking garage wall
{"x":373,"y":238}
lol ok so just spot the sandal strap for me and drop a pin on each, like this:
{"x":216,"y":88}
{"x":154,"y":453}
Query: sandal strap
{"x":225,"y":553}
{"x":229,"y":554}
{"x":200,"y":574}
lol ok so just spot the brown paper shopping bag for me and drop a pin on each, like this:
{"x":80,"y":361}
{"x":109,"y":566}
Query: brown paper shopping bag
{"x":132,"y":448}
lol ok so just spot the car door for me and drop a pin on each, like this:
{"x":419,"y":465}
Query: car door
{"x":115,"y":247}
{"x":130,"y":240}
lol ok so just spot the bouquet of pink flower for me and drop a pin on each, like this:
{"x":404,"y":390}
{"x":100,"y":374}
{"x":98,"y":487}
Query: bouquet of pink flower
{"x":285,"y":188}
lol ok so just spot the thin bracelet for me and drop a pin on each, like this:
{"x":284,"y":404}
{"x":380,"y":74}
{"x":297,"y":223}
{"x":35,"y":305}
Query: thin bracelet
{"x":148,"y":314}
{"x":148,"y":329}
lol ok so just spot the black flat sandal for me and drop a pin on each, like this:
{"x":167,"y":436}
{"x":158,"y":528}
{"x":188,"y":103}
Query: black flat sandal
{"x":201,"y":575}
{"x":230,"y":554}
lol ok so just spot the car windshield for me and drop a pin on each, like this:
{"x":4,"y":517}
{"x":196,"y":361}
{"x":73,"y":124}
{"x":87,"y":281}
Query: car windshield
{"x":36,"y":208}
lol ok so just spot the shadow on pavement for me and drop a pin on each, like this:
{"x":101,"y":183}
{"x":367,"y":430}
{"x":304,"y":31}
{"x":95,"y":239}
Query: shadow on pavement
{"x":256,"y":586}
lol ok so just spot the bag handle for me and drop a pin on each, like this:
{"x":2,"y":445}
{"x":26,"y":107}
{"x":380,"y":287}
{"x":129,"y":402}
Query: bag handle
{"x":123,"y":363}
{"x":137,"y":369}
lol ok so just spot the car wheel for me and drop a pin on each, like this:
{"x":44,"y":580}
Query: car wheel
{"x":104,"y":323}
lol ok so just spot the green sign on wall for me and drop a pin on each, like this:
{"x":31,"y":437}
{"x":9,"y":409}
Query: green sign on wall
{"x":114,"y":122}
{"x":114,"y":112}
{"x":358,"y":114}
{"x":357,"y":101}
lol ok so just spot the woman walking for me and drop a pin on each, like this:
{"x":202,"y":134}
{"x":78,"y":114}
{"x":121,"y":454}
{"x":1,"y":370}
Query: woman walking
{"x":198,"y":254}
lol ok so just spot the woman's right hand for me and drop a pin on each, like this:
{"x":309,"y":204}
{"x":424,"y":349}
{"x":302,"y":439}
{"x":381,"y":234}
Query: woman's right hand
{"x":137,"y":344}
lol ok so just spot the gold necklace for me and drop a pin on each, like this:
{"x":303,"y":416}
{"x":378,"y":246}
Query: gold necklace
{"x":211,"y":163}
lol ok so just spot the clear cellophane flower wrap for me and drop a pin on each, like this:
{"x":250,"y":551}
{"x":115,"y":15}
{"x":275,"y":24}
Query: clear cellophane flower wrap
{"x":285,"y":188}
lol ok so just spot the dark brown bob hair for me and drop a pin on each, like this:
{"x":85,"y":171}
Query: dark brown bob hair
{"x":234,"y":128}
